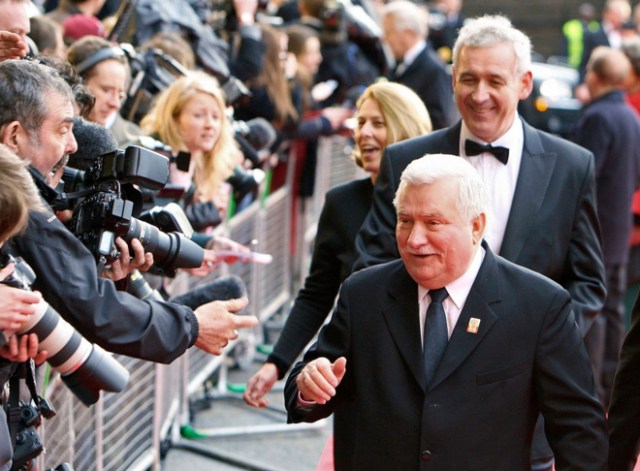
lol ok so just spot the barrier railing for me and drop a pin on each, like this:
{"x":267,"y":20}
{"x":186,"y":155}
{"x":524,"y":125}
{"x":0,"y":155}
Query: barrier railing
{"x":125,"y":431}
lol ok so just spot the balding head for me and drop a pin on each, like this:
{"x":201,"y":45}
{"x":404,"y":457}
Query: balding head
{"x":607,"y":70}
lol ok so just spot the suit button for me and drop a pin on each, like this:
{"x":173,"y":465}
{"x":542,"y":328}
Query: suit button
{"x":425,"y":455}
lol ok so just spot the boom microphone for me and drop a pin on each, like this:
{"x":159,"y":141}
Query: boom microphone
{"x":220,"y":289}
{"x":93,"y":140}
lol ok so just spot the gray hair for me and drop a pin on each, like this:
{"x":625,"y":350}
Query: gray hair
{"x":23,"y":88}
{"x":407,"y":15}
{"x":489,"y":30}
{"x":473,"y":198}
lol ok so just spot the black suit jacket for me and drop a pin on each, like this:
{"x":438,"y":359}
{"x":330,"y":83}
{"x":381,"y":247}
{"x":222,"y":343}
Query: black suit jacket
{"x":480,"y":410}
{"x":609,"y":128}
{"x":624,"y":412}
{"x":428,"y":77}
{"x":552,"y":227}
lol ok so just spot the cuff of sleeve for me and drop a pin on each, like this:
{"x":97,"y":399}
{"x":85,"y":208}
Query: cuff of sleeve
{"x":195,"y":328}
{"x":304,"y":406}
{"x":281,"y":366}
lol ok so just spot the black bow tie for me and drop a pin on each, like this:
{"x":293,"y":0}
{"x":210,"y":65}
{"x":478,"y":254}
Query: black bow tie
{"x":472,"y":148}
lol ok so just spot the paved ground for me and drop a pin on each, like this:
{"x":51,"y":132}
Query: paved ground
{"x":280,"y":447}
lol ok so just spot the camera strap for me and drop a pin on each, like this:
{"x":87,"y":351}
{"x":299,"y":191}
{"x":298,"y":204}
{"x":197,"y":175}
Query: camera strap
{"x":26,"y":371}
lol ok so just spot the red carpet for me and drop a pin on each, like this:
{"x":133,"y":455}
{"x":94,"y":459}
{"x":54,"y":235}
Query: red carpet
{"x":325,"y":463}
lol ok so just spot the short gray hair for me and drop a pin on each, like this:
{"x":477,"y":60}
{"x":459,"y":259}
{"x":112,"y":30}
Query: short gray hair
{"x":407,"y":15}
{"x":24,"y":86}
{"x":489,"y":30}
{"x":473,"y":198}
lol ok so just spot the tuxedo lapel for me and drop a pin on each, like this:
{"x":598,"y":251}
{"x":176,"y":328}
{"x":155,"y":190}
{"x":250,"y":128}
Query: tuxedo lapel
{"x":536,"y":169}
{"x":477,"y":311}
{"x":402,"y":318}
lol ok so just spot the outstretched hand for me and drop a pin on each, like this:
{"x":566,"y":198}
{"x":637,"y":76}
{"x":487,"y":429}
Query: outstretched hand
{"x":260,"y":384}
{"x":218,"y":324}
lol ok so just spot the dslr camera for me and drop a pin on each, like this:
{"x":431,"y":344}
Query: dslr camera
{"x":108,"y":203}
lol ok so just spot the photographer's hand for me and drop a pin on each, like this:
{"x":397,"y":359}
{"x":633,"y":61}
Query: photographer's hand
{"x":125,"y":264}
{"x":12,"y":46}
{"x":218,"y":324}
{"x":21,"y":349}
{"x":224,"y":243}
{"x":245,"y":11}
{"x":16,"y":305}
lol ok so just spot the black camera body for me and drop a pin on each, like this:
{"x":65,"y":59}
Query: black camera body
{"x":28,"y":444}
{"x":108,"y":203}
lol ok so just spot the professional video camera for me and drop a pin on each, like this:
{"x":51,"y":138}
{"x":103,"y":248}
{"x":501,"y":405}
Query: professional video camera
{"x":85,"y":368}
{"x":108,"y":203}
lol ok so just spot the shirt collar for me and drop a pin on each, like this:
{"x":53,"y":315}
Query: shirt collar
{"x":413,"y":52}
{"x":512,"y":139}
{"x":459,"y":288}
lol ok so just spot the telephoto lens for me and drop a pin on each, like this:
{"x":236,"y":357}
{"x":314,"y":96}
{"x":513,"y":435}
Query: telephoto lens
{"x":85,"y":368}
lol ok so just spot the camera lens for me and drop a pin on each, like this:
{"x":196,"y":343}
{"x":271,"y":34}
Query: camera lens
{"x":170,"y":251}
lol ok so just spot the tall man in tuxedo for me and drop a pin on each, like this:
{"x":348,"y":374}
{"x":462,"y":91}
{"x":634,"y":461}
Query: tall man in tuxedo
{"x":458,"y":378}
{"x":417,"y":64}
{"x":543,"y":188}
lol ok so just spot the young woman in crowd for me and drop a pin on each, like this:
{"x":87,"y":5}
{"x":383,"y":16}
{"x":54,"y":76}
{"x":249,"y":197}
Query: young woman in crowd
{"x":386,"y":113}
{"x":190,"y":116}
{"x":104,"y":68}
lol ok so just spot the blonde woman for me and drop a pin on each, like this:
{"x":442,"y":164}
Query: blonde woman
{"x":190,"y":116}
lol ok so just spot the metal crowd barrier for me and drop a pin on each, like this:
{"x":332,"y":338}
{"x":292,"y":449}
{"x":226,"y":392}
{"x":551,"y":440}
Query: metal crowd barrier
{"x":126,"y":431}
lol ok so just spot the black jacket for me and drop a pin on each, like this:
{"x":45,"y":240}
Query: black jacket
{"x":67,"y":278}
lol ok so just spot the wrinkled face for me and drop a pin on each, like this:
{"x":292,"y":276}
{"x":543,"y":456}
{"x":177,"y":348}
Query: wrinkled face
{"x":200,"y":123}
{"x":370,"y":135}
{"x":435,"y":242}
{"x":487,"y":89}
{"x":54,"y":140}
{"x":311,"y":58}
{"x":15,"y":18}
{"x":108,"y":83}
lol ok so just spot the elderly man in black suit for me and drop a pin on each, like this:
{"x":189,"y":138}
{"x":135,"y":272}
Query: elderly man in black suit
{"x":417,"y":64}
{"x":543,"y":187}
{"x":451,"y":353}
{"x":609,"y":128}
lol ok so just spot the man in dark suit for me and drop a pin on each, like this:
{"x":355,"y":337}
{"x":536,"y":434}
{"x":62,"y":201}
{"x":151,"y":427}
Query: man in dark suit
{"x":500,"y":345}
{"x":543,"y":191}
{"x":417,"y":64}
{"x":614,"y":15}
{"x":609,"y":128}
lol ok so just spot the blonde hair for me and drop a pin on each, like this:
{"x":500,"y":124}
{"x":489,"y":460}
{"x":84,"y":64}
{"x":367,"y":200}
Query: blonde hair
{"x":18,"y":194}
{"x":405,"y":115}
{"x":213,"y":167}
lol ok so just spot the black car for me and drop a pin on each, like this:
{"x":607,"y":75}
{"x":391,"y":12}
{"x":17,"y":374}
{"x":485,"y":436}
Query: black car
{"x":552,"y":105}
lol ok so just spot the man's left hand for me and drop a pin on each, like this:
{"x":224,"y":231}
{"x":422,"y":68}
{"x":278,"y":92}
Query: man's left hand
{"x":125,"y":264}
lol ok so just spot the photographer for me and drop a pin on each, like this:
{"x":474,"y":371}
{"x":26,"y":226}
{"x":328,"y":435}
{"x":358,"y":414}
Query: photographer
{"x":18,"y":196}
{"x":36,"y":119}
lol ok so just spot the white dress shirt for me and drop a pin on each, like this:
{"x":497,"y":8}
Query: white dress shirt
{"x":458,"y":291}
{"x":499,"y":179}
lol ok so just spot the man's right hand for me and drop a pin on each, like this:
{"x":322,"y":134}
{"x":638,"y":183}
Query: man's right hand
{"x":12,"y":46}
{"x":218,"y":324}
{"x":318,"y":380}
